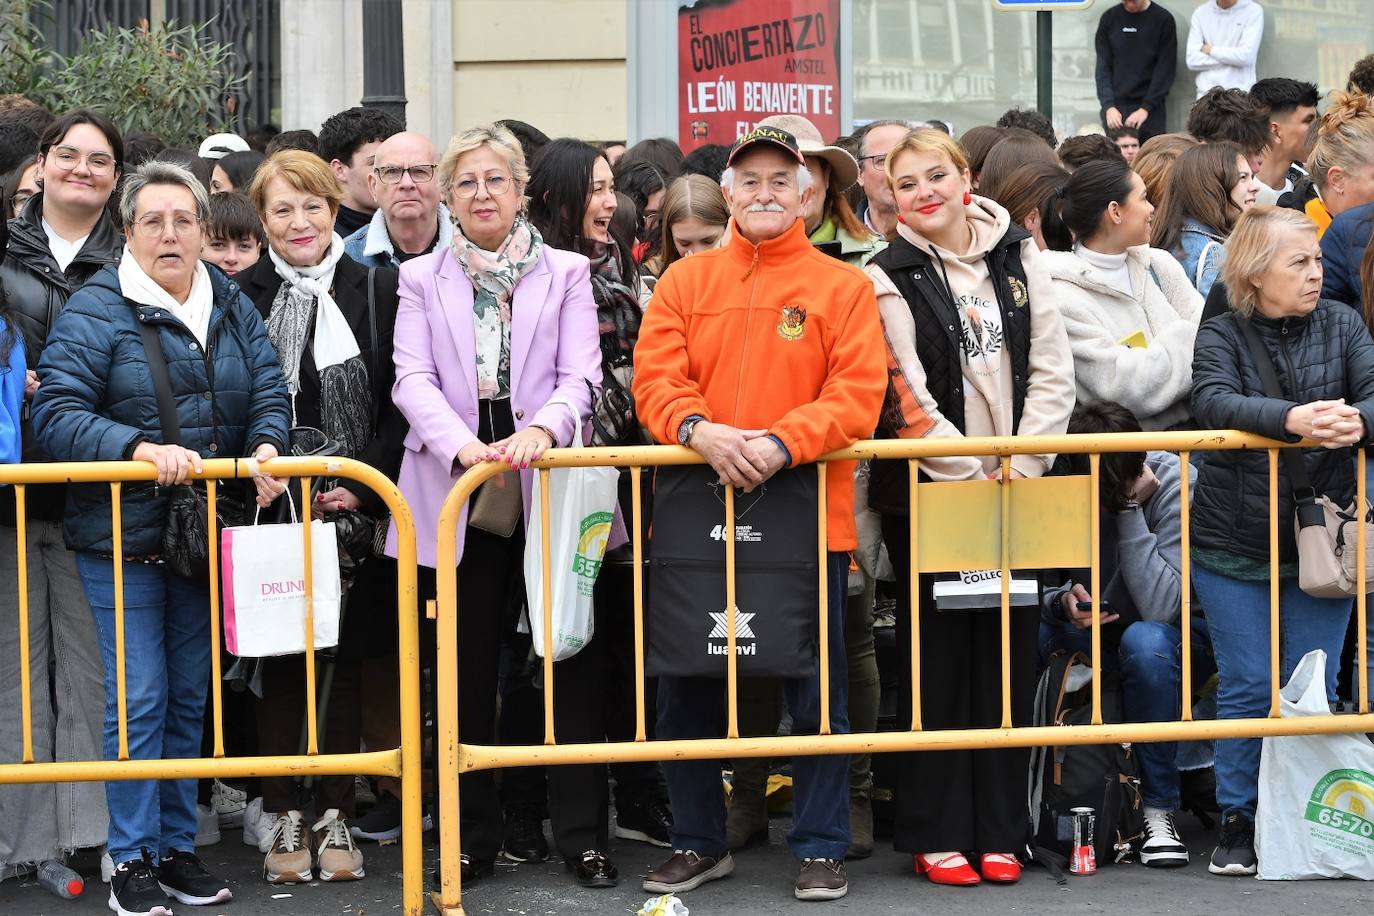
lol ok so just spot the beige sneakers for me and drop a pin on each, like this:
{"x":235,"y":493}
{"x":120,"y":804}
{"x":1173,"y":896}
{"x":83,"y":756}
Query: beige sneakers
{"x":288,"y":858}
{"x":338,"y":859}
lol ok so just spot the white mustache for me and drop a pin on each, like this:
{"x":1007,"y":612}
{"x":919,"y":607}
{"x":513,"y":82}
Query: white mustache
{"x":764,"y":208}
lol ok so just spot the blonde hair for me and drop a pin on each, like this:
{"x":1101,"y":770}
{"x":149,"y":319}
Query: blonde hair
{"x":1250,"y":251}
{"x":484,"y":136}
{"x":302,"y":171}
{"x":927,"y":140}
{"x":1345,"y":139}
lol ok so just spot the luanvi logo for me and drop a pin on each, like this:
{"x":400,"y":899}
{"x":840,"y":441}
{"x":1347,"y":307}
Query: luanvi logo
{"x":721,"y":632}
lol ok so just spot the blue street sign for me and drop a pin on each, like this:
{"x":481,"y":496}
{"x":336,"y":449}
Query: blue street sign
{"x":1042,"y":5}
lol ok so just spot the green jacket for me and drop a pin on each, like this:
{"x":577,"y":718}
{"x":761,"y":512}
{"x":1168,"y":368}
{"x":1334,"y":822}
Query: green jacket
{"x":856,"y":251}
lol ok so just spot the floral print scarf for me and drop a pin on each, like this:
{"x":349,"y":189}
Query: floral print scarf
{"x":494,"y":275}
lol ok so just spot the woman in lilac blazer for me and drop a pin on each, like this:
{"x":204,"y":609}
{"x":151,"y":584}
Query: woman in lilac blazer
{"x":496,"y":346}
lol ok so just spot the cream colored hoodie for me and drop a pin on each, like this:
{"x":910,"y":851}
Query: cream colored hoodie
{"x":985,"y":361}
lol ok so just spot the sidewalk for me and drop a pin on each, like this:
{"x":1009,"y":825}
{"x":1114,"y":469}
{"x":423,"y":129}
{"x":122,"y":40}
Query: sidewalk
{"x":761,"y":886}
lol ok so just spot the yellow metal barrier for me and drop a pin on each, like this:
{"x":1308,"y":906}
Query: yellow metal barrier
{"x":402,"y":762}
{"x":954,"y":526}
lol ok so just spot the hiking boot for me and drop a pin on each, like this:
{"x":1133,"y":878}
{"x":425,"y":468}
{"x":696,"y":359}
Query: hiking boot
{"x":338,"y":859}
{"x":686,"y":871}
{"x":594,"y":869}
{"x":382,"y":822}
{"x":525,"y":835}
{"x":747,"y":820}
{"x":860,"y":827}
{"x":134,"y":890}
{"x":288,"y":858}
{"x":645,"y":818}
{"x":1235,"y":852}
{"x":257,"y":826}
{"x":229,"y":803}
{"x":183,"y":876}
{"x":207,"y":826}
{"x":1163,"y":848}
{"x":821,"y":879}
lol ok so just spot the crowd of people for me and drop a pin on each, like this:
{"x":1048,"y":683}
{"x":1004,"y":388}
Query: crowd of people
{"x":360,"y":292}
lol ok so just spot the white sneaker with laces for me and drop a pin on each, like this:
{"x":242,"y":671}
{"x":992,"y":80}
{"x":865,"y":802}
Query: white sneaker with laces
{"x":1163,"y":848}
{"x":229,"y":803}
{"x":288,"y":858}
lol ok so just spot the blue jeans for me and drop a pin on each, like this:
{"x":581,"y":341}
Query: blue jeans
{"x":1238,"y":616}
{"x":1151,"y":682}
{"x":695,"y":708}
{"x":166,"y":673}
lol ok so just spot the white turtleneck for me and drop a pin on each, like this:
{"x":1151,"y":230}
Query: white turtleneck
{"x":1112,"y":267}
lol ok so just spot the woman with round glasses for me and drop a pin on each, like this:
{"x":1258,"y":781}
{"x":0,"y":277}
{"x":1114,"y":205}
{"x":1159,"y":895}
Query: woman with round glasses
{"x":95,"y":403}
{"x":332,"y":335}
{"x":410,"y":220}
{"x":58,"y":242}
{"x":497,"y":354}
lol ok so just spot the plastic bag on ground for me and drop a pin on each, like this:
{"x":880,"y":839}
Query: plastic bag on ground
{"x":667,"y":905}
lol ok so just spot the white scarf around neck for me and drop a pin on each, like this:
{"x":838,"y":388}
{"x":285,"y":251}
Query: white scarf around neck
{"x":137,"y":286}
{"x":334,"y":342}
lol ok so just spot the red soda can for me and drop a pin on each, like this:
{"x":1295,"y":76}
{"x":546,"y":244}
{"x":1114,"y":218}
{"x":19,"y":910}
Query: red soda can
{"x":1083,"y":859}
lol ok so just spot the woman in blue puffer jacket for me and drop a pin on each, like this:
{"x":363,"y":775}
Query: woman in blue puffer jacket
{"x":96,"y":402}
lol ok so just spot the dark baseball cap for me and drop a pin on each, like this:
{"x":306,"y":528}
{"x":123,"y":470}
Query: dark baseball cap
{"x":770,"y":135}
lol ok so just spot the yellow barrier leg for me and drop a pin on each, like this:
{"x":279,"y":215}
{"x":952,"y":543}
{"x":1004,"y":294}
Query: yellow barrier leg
{"x":1186,"y":587}
{"x":25,"y":693}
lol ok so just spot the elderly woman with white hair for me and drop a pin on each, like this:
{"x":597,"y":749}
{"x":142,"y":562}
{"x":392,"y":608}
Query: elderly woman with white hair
{"x":496,"y":348}
{"x":1322,"y":358}
{"x":95,"y":403}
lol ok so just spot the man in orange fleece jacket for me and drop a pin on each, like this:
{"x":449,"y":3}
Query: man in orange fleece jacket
{"x":762,"y":355}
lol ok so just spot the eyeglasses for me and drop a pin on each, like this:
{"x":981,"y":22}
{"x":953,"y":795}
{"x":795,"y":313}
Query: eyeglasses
{"x":20,"y":198}
{"x":496,"y":185}
{"x":153,"y":226}
{"x":879,"y":162}
{"x":392,"y":174}
{"x":69,"y":157}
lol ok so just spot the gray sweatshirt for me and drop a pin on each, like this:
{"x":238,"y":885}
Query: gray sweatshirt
{"x":1141,"y":562}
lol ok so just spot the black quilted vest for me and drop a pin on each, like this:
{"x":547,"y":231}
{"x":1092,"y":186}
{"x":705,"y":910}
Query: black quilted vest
{"x":921,"y":281}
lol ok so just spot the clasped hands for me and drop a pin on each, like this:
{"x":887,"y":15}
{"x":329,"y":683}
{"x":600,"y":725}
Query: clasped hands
{"x":1332,"y":424}
{"x":744,"y":458}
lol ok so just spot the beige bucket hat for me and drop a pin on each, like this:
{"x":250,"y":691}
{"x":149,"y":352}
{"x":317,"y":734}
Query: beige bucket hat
{"x":844,"y":170}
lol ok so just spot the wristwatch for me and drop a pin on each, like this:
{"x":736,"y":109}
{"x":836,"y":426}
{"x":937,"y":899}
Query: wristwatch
{"x":684,"y":430}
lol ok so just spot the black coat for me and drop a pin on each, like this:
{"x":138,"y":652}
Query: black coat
{"x":1325,"y":355}
{"x":37,"y":289}
{"x":261,"y":283}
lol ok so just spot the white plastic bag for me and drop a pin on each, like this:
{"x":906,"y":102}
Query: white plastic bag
{"x":1316,"y":792}
{"x":263,"y":584}
{"x":582,"y":506}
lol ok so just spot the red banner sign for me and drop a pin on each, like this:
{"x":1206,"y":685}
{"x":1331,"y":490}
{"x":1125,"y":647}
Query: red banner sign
{"x":740,"y":61}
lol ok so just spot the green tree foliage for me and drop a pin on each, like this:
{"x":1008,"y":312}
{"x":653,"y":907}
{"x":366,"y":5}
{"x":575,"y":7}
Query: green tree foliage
{"x":169,"y":80}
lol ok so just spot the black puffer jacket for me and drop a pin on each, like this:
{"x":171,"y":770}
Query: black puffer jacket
{"x":38,"y":289}
{"x":1325,"y":355}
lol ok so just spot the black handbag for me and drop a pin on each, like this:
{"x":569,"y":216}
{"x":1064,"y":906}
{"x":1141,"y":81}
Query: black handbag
{"x":776,"y":576}
{"x":185,"y":539}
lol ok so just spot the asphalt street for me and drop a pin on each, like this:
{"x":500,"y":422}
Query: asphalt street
{"x":762,"y":884}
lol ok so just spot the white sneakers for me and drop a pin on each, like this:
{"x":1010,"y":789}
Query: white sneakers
{"x":1163,"y":848}
{"x":229,"y":803}
{"x":257,"y":826}
{"x":207,"y":826}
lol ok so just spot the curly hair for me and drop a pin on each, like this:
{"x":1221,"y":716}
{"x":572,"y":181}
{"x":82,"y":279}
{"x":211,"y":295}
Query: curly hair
{"x":1031,"y":120}
{"x":1230,"y":114}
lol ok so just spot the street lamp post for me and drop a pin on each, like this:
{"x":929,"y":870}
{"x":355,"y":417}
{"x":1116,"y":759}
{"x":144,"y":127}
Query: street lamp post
{"x":384,"y":74}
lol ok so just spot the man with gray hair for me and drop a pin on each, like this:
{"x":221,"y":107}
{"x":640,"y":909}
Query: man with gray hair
{"x":410,"y":220}
{"x":877,"y":139}
{"x":763,"y":355}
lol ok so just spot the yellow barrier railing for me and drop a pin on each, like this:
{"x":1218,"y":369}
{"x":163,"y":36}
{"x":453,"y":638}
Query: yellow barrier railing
{"x":954,"y":526}
{"x":402,"y":763}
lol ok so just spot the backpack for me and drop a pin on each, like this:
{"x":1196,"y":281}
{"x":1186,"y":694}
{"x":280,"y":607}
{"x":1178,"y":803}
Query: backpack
{"x":1104,"y":777}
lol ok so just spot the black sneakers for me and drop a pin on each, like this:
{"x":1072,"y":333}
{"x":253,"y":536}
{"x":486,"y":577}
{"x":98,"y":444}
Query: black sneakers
{"x":1163,"y":848}
{"x":644,"y":818}
{"x":525,"y":840}
{"x":1235,"y":852}
{"x":134,"y":889}
{"x":183,"y":876}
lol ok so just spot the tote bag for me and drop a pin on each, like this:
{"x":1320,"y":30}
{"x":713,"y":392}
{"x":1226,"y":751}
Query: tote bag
{"x":263,"y":585}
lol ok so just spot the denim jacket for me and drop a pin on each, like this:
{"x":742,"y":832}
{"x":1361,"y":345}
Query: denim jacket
{"x":1194,"y":241}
